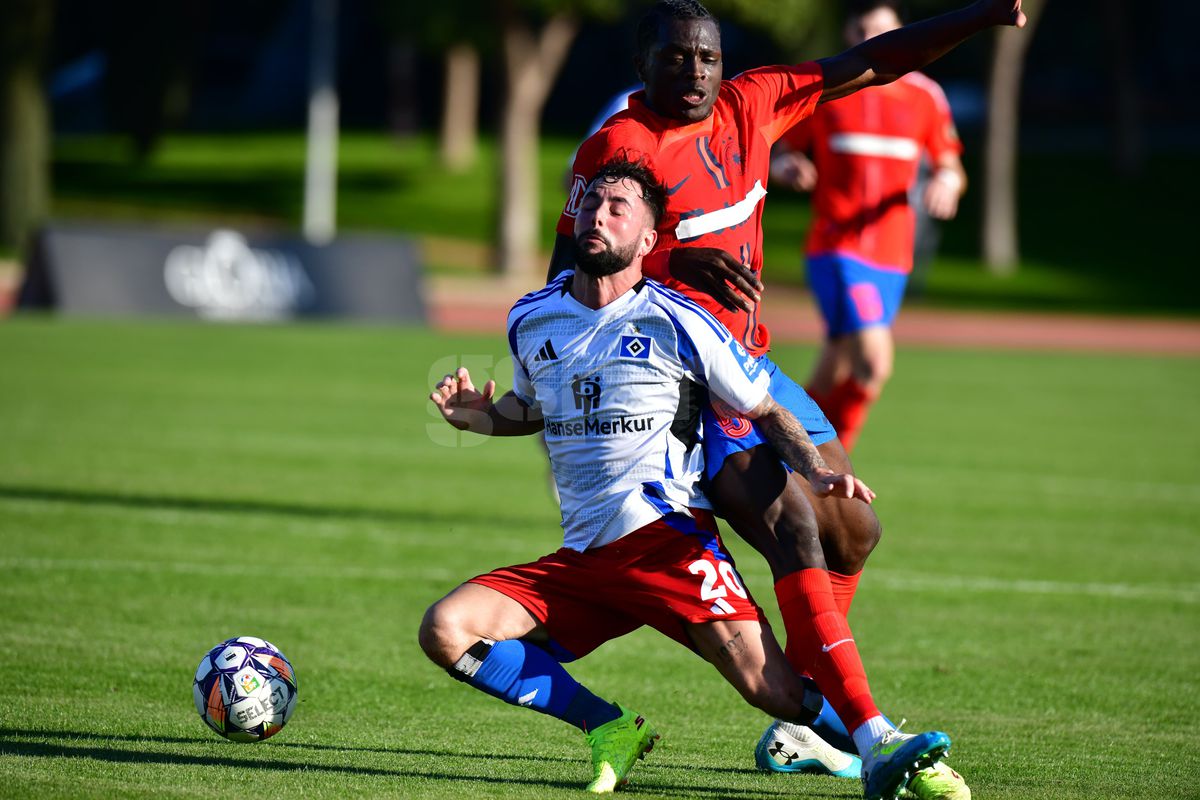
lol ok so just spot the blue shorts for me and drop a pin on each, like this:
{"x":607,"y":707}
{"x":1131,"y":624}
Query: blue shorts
{"x":725,"y":433}
{"x":852,"y":294}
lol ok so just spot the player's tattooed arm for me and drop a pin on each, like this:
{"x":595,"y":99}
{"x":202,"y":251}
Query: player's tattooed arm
{"x":793,"y":444}
{"x":471,"y":409}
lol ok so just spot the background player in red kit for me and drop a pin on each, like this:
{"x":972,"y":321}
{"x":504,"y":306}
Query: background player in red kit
{"x":865,"y":151}
{"x":709,"y":141}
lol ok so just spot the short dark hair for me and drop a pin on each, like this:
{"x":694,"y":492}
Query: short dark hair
{"x":857,"y":8}
{"x":664,"y":11}
{"x":620,"y":168}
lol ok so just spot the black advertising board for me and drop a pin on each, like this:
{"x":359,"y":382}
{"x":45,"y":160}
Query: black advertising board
{"x":222,"y":274}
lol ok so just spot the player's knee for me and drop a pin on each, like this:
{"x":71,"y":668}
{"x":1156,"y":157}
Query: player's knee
{"x":873,"y":371}
{"x":856,"y":548}
{"x":802,"y":543}
{"x":442,"y":634}
{"x":796,"y":530}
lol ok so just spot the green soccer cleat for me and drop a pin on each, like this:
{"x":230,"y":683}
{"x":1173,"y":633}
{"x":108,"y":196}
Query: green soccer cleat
{"x":615,"y":747}
{"x":938,"y":782}
{"x":896,"y":758}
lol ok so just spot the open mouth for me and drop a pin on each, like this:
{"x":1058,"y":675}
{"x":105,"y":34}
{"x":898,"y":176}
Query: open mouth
{"x":694,"y":97}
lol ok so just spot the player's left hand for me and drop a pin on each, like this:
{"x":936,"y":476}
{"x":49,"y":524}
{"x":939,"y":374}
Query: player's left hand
{"x":831,"y":484}
{"x":461,"y":404}
{"x":941,"y":198}
{"x":795,"y":171}
{"x":718,"y":274}
{"x":1004,"y":12}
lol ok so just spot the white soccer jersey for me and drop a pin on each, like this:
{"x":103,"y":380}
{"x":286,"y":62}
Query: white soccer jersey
{"x":616,"y":387}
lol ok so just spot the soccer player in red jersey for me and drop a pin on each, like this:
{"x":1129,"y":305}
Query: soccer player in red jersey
{"x":865,"y":151}
{"x":709,"y":141}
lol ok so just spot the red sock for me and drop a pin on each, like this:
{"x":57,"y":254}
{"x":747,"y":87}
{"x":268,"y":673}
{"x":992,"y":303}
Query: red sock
{"x":819,"y":643}
{"x":847,"y":407}
{"x":844,"y":587}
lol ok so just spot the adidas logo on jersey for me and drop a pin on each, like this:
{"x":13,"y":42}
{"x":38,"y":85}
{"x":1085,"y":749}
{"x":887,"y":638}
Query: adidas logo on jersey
{"x":546,"y":353}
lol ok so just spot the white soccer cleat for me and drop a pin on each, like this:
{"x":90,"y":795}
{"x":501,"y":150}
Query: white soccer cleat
{"x":786,"y":747}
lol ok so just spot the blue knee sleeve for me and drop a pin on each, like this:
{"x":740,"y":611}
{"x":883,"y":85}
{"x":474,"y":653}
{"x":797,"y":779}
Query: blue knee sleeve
{"x":523,"y":674}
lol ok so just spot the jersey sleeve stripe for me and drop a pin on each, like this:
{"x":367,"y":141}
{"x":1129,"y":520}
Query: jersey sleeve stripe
{"x":682,"y":300}
{"x":512,"y":334}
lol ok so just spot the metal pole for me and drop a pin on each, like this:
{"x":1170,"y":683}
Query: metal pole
{"x":320,"y":172}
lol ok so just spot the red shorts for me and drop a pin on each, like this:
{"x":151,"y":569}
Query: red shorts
{"x":670,"y":573}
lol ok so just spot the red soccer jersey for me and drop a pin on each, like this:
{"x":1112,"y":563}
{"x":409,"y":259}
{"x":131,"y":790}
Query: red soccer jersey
{"x":715,"y":171}
{"x":867,"y":147}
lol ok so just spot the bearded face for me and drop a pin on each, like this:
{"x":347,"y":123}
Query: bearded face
{"x":599,"y":257}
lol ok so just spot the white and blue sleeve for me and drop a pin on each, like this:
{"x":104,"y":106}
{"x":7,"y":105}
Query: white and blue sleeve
{"x":522,"y":385}
{"x":711,"y":356}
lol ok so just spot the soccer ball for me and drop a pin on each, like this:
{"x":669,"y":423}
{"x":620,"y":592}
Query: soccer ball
{"x":245,"y":689}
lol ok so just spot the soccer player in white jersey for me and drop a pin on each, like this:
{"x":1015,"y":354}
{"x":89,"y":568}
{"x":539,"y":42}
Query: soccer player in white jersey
{"x":606,"y":363}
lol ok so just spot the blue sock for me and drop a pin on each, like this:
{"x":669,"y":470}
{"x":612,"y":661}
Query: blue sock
{"x":829,"y":726}
{"x":523,"y":674}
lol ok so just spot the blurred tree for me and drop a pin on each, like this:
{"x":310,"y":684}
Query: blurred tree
{"x":453,"y":29}
{"x":459,"y":138}
{"x":1001,"y":250}
{"x":25,"y":27}
{"x":792,"y":24}
{"x":151,"y":49}
{"x":535,"y":35}
{"x":1129,"y":141}
{"x":533,"y":56}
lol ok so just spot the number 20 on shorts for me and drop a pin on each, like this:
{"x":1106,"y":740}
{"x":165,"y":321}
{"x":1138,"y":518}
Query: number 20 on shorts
{"x":719,"y":579}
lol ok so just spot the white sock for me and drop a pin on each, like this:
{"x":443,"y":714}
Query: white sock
{"x":869,"y":733}
{"x":792,"y":729}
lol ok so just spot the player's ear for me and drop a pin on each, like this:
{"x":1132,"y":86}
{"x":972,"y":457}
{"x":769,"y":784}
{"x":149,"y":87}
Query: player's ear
{"x":649,"y":239}
{"x":639,"y":65}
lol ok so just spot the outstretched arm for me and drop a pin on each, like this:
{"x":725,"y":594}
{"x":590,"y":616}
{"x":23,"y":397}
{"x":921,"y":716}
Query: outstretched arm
{"x":792,"y":443}
{"x":469,"y":409}
{"x":886,"y":57}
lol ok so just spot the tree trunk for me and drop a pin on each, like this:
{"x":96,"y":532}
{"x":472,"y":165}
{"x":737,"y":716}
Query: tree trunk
{"x":532,"y":62}
{"x":1129,"y":149}
{"x":24,"y":122}
{"x":460,"y":108}
{"x":1001,"y":251}
{"x":404,"y":79}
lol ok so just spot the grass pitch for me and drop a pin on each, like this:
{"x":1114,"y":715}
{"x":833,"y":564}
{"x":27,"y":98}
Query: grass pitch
{"x":163,"y":487}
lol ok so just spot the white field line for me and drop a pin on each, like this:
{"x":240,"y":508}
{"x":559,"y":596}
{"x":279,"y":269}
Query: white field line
{"x":1185,"y":593}
{"x":305,"y":572}
{"x":887,"y":579}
